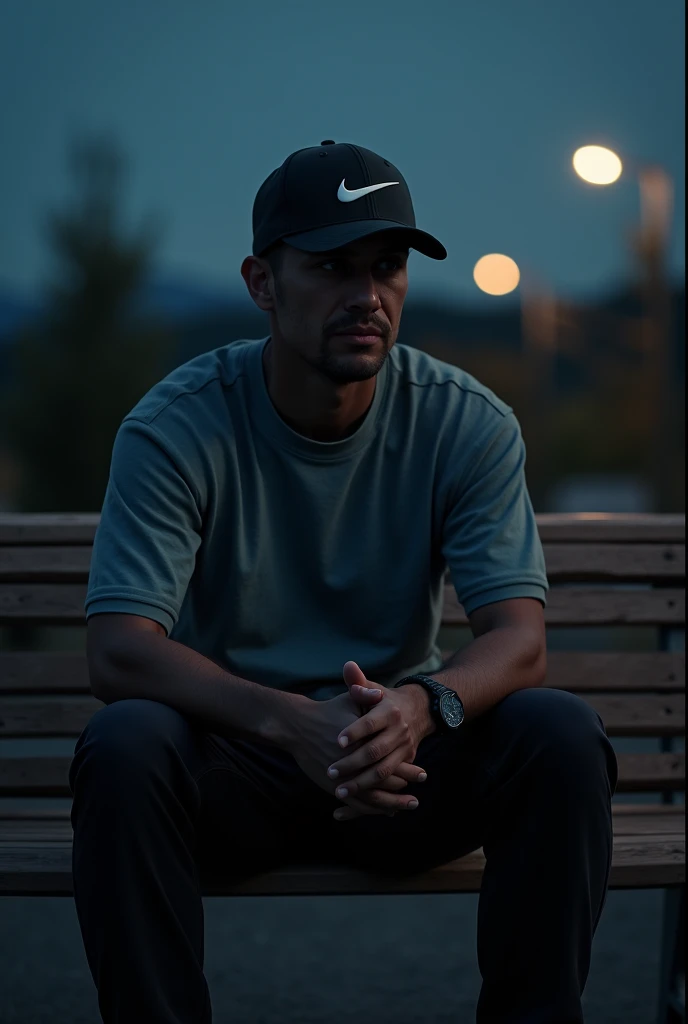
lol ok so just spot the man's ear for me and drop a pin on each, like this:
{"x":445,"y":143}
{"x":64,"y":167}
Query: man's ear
{"x":260,"y":282}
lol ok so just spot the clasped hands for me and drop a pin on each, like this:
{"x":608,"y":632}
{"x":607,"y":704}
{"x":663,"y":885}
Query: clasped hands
{"x":381,"y":730}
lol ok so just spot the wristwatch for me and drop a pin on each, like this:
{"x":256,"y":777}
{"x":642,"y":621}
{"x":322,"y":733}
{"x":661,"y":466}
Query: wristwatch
{"x":445,"y":704}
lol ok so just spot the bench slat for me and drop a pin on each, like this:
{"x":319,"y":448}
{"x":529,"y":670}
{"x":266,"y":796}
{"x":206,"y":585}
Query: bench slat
{"x":58,"y":715}
{"x":629,"y":820}
{"x":80,"y":527}
{"x":57,"y":603}
{"x":44,"y":671}
{"x":44,"y":563}
{"x":589,"y":606}
{"x":627,"y":528}
{"x":565,"y":562}
{"x":590,"y":671}
{"x":638,"y":715}
{"x":590,"y":562}
{"x":634,"y":819}
{"x":55,"y":715}
{"x":48,"y":527}
{"x":648,"y":819}
{"x":35,"y":868}
{"x":47,"y":776}
{"x":579,"y":671}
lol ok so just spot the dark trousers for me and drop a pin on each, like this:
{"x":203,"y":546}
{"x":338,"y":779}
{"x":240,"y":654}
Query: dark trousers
{"x":160,"y":804}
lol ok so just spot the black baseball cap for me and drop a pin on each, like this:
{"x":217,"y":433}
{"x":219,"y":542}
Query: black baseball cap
{"x":326,"y":196}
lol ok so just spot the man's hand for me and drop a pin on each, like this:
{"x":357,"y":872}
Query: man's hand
{"x":397,"y":725}
{"x":314,"y":745}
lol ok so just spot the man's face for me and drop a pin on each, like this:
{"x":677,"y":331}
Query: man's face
{"x":359,"y":288}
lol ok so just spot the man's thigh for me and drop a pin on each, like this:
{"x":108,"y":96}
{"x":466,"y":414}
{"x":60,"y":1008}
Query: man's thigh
{"x":266,"y":805}
{"x":258,"y":808}
{"x":476,"y":777}
{"x":449,"y":819}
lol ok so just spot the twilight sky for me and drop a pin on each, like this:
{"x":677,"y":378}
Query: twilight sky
{"x":480,"y":103}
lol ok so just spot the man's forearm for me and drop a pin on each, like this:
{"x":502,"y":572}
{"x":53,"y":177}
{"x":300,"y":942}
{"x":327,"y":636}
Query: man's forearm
{"x":156,"y":668}
{"x":492,"y":666}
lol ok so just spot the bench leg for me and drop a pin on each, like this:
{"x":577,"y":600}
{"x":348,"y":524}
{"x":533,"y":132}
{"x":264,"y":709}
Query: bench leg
{"x":672,"y":972}
{"x":672,"y":976}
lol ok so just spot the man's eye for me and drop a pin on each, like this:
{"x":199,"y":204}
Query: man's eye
{"x":387,"y":266}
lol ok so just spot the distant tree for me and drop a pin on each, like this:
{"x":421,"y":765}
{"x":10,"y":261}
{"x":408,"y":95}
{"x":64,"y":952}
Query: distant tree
{"x":85,"y":364}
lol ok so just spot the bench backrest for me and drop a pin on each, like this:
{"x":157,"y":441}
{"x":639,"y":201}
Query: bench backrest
{"x":605,"y":570}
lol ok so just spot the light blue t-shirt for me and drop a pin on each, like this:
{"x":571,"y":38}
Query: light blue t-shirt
{"x":280,"y":557}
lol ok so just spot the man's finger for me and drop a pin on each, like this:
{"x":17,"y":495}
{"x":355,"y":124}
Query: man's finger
{"x":409,"y":773}
{"x":364,"y":694}
{"x":348,"y":813}
{"x":383,"y":716}
{"x":393,"y":784}
{"x":353,"y":674}
{"x":393,"y":735}
{"x":355,"y":809}
{"x":376,"y":802}
{"x":371,"y":777}
{"x":403,"y":774}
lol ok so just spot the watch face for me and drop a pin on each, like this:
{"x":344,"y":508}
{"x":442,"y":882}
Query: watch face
{"x":451,"y":710}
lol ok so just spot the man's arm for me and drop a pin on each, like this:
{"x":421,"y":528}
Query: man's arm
{"x":130,"y":656}
{"x":508,"y":653}
{"x":491,"y":544}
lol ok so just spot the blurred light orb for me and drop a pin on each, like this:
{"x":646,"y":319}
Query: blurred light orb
{"x":496,"y":274}
{"x":597,"y":165}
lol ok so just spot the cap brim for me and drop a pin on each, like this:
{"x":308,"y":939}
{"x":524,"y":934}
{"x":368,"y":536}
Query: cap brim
{"x":336,"y":235}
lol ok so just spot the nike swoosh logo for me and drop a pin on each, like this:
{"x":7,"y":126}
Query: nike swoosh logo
{"x":345,"y":195}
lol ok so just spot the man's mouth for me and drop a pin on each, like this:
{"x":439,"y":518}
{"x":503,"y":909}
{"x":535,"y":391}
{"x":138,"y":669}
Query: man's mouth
{"x":360,"y":335}
{"x":360,"y":339}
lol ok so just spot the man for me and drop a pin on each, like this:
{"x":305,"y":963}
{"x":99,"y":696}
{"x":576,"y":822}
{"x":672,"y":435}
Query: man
{"x":264,"y":598}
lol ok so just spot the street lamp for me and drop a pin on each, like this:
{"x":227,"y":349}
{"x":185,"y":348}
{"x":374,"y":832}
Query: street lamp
{"x":498,"y":274}
{"x":601,"y":166}
{"x":597,"y":165}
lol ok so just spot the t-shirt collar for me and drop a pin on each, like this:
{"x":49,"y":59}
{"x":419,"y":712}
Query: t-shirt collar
{"x":274,"y":428}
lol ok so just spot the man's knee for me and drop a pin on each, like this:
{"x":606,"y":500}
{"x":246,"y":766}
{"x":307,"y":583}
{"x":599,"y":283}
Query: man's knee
{"x":560,"y":727}
{"x":556,"y":712}
{"x":126,"y":739}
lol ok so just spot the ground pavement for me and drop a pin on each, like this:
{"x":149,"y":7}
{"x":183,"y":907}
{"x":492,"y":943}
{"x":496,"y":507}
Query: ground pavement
{"x":331,"y":960}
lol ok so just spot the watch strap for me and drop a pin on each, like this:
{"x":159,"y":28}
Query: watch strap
{"x":434,"y":691}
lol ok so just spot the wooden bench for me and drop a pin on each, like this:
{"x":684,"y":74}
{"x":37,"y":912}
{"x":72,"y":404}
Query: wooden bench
{"x":605,"y":570}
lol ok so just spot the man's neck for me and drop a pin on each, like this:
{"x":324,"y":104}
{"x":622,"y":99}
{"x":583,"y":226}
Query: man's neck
{"x":340,"y":421}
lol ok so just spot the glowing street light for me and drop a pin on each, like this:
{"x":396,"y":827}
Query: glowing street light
{"x":597,"y":165}
{"x":496,"y":274}
{"x":601,"y":166}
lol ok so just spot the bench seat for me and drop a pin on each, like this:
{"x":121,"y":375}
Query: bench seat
{"x":649,"y":851}
{"x":622,"y":573}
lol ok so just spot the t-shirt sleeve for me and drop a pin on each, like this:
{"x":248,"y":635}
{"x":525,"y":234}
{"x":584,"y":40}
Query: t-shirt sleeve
{"x":149,"y":532}
{"x":490,"y":539}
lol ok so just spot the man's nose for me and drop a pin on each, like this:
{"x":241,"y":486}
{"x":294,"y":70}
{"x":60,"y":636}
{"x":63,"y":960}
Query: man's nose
{"x":363,"y":295}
